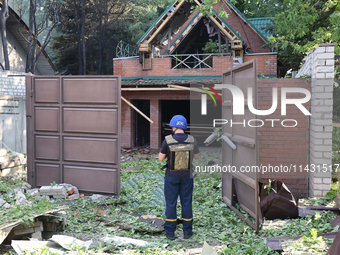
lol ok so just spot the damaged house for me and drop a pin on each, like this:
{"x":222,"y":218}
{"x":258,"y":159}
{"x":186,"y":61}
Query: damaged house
{"x":184,"y":47}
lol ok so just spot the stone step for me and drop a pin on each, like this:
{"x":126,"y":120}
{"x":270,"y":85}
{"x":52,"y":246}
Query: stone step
{"x":3,"y":152}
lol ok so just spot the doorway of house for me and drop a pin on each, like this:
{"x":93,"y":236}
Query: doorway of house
{"x":142,"y":125}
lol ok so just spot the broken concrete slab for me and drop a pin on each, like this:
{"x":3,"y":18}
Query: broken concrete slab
{"x":34,"y":227}
{"x":68,"y":242}
{"x":30,"y":246}
{"x":7,"y":228}
{"x":58,"y":191}
{"x":3,"y":203}
{"x":34,"y":193}
{"x":208,"y":250}
{"x":37,"y":235}
{"x":20,"y":198}
{"x":26,"y":186}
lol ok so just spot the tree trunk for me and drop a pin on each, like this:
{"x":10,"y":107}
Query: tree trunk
{"x":83,"y":36}
{"x":30,"y":38}
{"x":3,"y":19}
{"x":80,"y":59}
{"x":100,"y":50}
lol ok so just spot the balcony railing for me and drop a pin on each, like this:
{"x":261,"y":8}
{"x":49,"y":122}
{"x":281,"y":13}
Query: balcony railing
{"x":192,"y":61}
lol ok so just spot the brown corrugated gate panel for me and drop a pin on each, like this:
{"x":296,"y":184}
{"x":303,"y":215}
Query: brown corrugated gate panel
{"x":73,"y":131}
{"x":242,"y":184}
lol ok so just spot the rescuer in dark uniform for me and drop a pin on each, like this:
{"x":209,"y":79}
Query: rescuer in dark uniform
{"x":179,"y":149}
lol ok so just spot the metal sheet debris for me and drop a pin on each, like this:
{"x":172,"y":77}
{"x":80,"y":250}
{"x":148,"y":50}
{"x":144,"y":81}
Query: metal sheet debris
{"x":279,"y":203}
{"x":335,"y":247}
{"x":275,"y":243}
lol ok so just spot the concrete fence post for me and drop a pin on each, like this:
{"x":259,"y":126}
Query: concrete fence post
{"x":321,"y":124}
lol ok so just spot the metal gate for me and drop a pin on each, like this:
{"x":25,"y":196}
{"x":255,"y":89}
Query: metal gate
{"x":73,"y":131}
{"x":241,"y":185}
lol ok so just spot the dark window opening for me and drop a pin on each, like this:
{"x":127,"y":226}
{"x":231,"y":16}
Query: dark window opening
{"x":142,"y":125}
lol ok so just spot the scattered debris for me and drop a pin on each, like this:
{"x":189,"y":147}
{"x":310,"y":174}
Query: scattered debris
{"x":31,"y":246}
{"x":276,"y":243}
{"x":20,"y":198}
{"x":73,"y":197}
{"x":208,"y":250}
{"x":69,"y":243}
{"x":98,"y":197}
{"x":58,"y":191}
{"x":19,"y":228}
{"x":11,"y":165}
{"x":34,"y":230}
{"x":277,"y":202}
{"x":131,"y":168}
{"x":26,"y":186}
{"x":155,"y":224}
{"x":3,"y":203}
{"x":125,"y":240}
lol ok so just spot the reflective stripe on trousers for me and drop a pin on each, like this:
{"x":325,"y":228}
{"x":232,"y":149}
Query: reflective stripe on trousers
{"x":174,"y":187}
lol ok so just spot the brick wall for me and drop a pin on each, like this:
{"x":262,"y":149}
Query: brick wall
{"x":12,"y":83}
{"x":266,"y":63}
{"x":282,"y":145}
{"x":130,"y":67}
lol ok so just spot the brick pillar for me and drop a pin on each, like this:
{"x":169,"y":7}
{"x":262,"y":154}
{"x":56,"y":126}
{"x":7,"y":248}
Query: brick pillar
{"x":155,"y":127}
{"x":126,"y":132}
{"x":321,"y":119}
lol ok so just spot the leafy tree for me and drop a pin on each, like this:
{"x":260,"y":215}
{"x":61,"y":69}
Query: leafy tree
{"x":302,"y":26}
{"x":41,"y":17}
{"x":259,"y":8}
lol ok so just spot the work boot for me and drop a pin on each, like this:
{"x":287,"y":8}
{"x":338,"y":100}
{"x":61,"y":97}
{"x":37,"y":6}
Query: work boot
{"x":187,"y":235}
{"x":171,"y":237}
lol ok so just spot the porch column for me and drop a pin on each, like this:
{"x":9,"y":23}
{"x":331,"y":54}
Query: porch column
{"x":155,"y":127}
{"x":321,"y":119}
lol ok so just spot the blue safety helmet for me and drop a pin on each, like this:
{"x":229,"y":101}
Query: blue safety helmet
{"x":178,"y":121}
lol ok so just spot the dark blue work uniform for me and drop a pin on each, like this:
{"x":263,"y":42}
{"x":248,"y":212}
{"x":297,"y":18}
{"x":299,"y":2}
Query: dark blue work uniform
{"x":178,"y":183}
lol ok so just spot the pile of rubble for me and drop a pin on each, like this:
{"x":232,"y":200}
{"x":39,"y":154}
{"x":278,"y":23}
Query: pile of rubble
{"x":11,"y":164}
{"x":18,"y":229}
{"x":59,"y":191}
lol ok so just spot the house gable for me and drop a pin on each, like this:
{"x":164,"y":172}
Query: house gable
{"x":177,"y":22}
